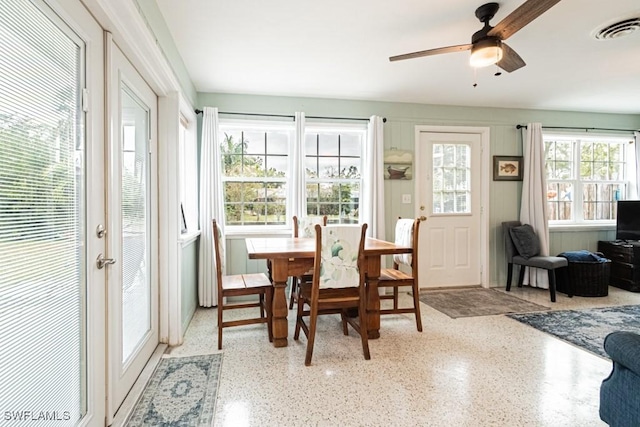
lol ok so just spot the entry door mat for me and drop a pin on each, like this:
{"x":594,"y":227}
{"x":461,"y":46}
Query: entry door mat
{"x":585,"y":328}
{"x":181,"y":392}
{"x":476,"y":302}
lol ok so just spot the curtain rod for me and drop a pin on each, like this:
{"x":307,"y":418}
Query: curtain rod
{"x":384,"y":119}
{"x":579,"y":128}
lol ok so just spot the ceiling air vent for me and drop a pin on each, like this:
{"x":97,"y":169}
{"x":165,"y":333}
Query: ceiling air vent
{"x":619,"y":29}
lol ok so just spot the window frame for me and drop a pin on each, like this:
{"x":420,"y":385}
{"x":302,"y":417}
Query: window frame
{"x":319,"y":127}
{"x":260,"y":125}
{"x":188,"y":175}
{"x":578,"y":183}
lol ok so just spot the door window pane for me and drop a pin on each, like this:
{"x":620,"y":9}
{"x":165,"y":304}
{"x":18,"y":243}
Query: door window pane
{"x":42,"y":216}
{"x":451,"y":172}
{"x":136,"y":292}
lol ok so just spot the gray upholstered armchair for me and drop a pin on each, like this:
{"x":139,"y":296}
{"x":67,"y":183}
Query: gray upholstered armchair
{"x":620,"y":391}
{"x":522,"y":247}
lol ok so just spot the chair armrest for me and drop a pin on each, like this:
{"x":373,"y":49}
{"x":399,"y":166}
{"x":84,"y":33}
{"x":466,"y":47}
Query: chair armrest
{"x":624,"y":348}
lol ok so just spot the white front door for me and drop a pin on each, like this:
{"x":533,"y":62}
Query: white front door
{"x":449,"y":202}
{"x":132,"y":231}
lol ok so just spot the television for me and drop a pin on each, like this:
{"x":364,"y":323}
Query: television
{"x":628,"y":220}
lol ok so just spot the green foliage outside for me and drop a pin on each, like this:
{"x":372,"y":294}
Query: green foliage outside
{"x":37,"y":178}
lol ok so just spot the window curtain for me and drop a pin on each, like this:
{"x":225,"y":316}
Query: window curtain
{"x":298,"y":177}
{"x":373,"y":180}
{"x":533,"y":206}
{"x":637,"y":161}
{"x":211,"y":206}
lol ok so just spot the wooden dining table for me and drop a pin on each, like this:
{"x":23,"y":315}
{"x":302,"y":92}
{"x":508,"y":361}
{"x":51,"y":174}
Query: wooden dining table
{"x":293,"y":256}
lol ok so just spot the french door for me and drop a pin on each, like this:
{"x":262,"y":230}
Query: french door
{"x":51,"y":200}
{"x":132,"y":224}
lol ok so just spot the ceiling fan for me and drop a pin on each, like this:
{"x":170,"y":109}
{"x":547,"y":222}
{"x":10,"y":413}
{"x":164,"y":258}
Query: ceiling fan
{"x":487,"y":45}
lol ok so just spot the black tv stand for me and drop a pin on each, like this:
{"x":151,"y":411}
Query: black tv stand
{"x":625,"y":263}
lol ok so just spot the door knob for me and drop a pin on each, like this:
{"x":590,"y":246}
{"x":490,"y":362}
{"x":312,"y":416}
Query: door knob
{"x":422,"y":218}
{"x":101,"y":261}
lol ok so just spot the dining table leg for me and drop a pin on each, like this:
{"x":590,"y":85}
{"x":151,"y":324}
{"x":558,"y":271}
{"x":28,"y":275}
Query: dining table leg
{"x":373,"y":298}
{"x":280,"y":308}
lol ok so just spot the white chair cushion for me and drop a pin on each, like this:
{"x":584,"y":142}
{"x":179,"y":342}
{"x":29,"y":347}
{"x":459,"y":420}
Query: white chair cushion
{"x":307,"y":226}
{"x":404,"y":237}
{"x":339,"y":256}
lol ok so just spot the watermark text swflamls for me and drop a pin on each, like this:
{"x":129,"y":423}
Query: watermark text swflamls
{"x":36,"y":415}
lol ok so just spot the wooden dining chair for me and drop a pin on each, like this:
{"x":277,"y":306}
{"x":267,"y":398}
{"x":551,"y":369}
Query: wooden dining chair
{"x":304,"y":227}
{"x":406,"y":235}
{"x":240,"y":285}
{"x":337,"y":284}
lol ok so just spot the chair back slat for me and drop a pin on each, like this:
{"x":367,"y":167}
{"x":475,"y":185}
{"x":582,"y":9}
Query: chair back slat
{"x":218,"y":245}
{"x":340,"y":255}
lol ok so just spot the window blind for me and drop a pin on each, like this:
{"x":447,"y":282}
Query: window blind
{"x":42,"y":278}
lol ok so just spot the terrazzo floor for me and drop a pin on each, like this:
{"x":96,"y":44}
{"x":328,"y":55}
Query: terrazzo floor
{"x":476,"y":371}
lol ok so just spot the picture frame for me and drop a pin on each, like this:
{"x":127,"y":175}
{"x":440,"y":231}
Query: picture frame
{"x":507,"y":168}
{"x":398,"y":164}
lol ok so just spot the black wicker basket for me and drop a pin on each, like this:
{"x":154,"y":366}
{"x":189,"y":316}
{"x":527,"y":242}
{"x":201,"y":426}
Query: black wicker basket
{"x":585,"y":278}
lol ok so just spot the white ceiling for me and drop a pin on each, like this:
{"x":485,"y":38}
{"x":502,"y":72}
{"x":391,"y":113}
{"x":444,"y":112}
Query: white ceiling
{"x":340,"y":49}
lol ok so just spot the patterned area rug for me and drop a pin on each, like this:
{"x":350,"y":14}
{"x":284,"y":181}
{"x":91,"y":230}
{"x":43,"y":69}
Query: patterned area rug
{"x":476,"y":302}
{"x":585,"y":328}
{"x":181,"y":392}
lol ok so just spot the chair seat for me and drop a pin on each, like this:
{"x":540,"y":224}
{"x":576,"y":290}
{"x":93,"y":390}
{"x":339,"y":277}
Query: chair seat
{"x":546,"y":262}
{"x":245,"y":281}
{"x":256,"y":280}
{"x":391,"y":275}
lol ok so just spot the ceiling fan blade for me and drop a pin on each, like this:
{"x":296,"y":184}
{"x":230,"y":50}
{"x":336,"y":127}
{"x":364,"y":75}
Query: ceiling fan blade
{"x":448,"y":49}
{"x":527,"y":12}
{"x":510,"y":61}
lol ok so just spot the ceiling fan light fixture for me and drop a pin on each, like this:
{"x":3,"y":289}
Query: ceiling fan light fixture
{"x":486,"y":52}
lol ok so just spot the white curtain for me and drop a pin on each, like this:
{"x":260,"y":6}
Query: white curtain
{"x":211,"y":206}
{"x":533,"y":207}
{"x":299,"y":190}
{"x":372,"y":201}
{"x":636,"y":192}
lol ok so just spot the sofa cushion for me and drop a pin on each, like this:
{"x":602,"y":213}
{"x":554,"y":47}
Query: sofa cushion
{"x":525,"y":240}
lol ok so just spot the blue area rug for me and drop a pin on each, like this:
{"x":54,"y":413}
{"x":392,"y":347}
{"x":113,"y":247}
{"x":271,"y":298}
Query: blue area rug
{"x":585,"y":328}
{"x":181,"y":392}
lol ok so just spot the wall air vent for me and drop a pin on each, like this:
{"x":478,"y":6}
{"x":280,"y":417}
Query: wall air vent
{"x":619,"y":29}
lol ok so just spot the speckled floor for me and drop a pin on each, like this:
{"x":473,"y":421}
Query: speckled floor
{"x":477,"y":371}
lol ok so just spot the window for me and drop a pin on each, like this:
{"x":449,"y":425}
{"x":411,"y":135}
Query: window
{"x":333,"y":164}
{"x":188,"y":173}
{"x":451,"y":176}
{"x":257,"y":165}
{"x":585,"y":178}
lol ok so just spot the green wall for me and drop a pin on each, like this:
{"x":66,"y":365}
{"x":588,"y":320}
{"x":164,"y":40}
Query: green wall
{"x":158,"y":28}
{"x":189,"y":282}
{"x":400,"y":133}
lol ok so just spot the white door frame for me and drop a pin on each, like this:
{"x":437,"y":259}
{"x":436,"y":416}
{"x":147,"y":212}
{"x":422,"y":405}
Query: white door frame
{"x":485,"y":175}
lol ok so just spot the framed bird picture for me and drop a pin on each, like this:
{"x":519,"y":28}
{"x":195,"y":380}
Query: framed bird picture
{"x":507,"y":168}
